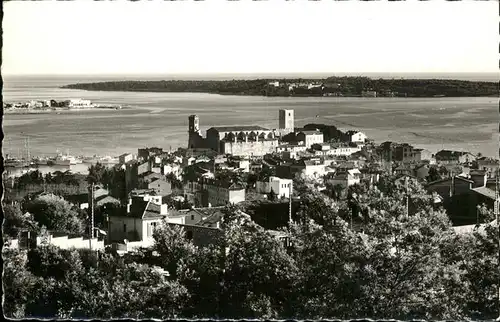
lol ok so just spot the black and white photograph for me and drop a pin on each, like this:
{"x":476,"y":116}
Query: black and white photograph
{"x":264,"y":160}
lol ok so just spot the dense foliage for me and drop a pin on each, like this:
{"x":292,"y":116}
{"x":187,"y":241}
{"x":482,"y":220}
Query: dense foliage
{"x":398,"y":262}
{"x":32,"y":183}
{"x":56,"y":214}
{"x":347,"y":86}
{"x":111,"y":178}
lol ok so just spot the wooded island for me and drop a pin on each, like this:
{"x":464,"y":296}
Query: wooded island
{"x":332,"y":86}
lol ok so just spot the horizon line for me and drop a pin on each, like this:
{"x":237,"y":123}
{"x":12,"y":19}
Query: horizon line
{"x":464,"y":76}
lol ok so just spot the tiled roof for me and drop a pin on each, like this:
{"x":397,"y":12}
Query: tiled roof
{"x":224,"y":184}
{"x":235,"y":186}
{"x":420,"y":166}
{"x":106,"y":199}
{"x":98,"y":193}
{"x":212,"y":219}
{"x":467,"y":229}
{"x":138,"y":192}
{"x":152,"y":175}
{"x":238,"y":128}
{"x":312,"y":163}
{"x":152,"y":211}
{"x":449,"y":179}
{"x":487,"y":192}
{"x":449,"y":154}
{"x":311,"y":132}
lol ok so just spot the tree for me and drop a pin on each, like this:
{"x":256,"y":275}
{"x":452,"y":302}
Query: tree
{"x":171,"y":245}
{"x":202,"y":275}
{"x":393,"y":268}
{"x":56,"y":214}
{"x":265,"y":174}
{"x":15,"y":221}
{"x":433,"y":175}
{"x":18,"y":283}
{"x":176,"y":183}
{"x":55,"y":283}
{"x":259,"y":275}
{"x":476,"y":255}
{"x":189,"y":174}
{"x":338,"y":189}
{"x":97,"y":173}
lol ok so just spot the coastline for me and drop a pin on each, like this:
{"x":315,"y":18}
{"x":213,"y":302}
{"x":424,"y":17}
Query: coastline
{"x":280,"y":96}
{"x":59,"y":111}
{"x":327,"y":87}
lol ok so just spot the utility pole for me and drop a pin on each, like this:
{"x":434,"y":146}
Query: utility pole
{"x":91,"y":234}
{"x":496,"y":210}
{"x":407,"y":199}
{"x":290,"y":205}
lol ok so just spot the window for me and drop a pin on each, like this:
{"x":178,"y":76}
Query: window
{"x":189,"y":235}
{"x":192,"y":217}
{"x":124,"y":228}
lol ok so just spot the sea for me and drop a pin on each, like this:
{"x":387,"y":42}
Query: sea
{"x":161,"y":119}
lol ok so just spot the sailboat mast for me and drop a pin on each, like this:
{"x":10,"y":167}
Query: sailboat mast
{"x":28,"y":148}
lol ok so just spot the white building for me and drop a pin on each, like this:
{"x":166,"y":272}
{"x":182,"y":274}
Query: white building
{"x":344,"y":150}
{"x":173,"y":168}
{"x":311,"y":86}
{"x":281,"y":187}
{"x":310,"y":137}
{"x":79,"y":103}
{"x":358,"y":137}
{"x":146,"y":197}
{"x":138,"y":224}
{"x":244,"y":165}
{"x":126,"y":157}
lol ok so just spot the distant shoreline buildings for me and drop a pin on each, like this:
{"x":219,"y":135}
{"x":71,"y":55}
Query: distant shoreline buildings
{"x":48,"y":105}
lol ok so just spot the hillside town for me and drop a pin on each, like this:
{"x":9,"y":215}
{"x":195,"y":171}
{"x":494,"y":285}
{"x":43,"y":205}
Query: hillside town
{"x":270,"y":179}
{"x":244,"y":164}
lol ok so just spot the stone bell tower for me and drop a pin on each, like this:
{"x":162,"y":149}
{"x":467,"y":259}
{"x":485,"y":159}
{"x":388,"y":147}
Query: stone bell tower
{"x":195,"y":139}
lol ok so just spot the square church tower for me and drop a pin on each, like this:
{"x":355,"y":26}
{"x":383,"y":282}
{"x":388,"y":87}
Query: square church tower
{"x":286,"y":122}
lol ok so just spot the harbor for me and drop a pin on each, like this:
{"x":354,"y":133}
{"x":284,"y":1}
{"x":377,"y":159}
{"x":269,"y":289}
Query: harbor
{"x":24,"y":163}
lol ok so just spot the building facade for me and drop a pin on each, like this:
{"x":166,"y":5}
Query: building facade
{"x":137,"y":224}
{"x":286,"y":121}
{"x":310,"y":137}
{"x":242,"y":140}
{"x":281,"y":187}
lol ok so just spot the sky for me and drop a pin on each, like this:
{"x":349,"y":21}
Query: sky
{"x":213,"y":37}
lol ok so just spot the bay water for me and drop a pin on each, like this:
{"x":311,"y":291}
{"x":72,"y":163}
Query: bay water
{"x":161,"y":119}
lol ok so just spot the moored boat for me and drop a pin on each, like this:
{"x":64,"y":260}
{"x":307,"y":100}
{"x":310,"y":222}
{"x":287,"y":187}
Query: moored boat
{"x":15,"y":163}
{"x":40,"y":161}
{"x":109,"y":160}
{"x":66,"y":160}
